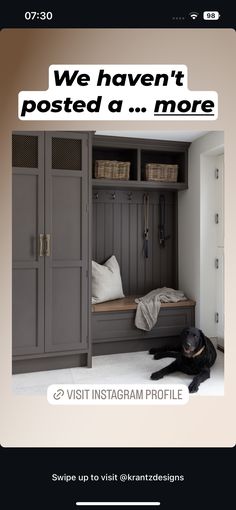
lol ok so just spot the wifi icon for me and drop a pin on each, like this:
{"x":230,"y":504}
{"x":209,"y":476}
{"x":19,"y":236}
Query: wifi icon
{"x":194,"y":15}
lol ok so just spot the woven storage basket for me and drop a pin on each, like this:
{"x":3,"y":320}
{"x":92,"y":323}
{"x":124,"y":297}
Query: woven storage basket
{"x":107,"y":169}
{"x":161,"y":172}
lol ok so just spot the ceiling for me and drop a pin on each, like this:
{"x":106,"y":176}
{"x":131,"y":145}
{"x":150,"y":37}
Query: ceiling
{"x":178,"y":136}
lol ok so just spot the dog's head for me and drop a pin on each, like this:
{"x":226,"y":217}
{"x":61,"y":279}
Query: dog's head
{"x":193,"y":340}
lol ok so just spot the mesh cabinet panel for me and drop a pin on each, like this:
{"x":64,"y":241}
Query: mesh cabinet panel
{"x":24,"y":151}
{"x":66,"y":154}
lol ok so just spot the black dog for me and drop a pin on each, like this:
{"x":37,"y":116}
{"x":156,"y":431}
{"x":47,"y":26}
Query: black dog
{"x":196,"y":357}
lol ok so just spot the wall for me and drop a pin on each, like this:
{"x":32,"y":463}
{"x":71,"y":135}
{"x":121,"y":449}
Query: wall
{"x":118,"y":228}
{"x":190,"y":213}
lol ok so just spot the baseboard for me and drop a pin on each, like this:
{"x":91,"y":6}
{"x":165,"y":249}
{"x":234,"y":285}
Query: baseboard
{"x":51,"y":363}
{"x":214,"y":340}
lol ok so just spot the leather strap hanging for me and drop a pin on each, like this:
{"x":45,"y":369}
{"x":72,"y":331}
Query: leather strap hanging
{"x":162,"y":214}
{"x":146,"y":224}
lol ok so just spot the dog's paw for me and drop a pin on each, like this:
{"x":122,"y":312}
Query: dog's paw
{"x":152,"y":350}
{"x":155,"y":376}
{"x":193,"y":387}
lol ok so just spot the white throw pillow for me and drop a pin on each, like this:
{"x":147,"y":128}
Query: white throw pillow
{"x":106,"y":281}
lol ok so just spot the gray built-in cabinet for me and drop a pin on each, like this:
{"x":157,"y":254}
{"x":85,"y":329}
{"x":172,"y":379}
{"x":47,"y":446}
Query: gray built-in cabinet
{"x":62,"y":218}
{"x":50,"y":250}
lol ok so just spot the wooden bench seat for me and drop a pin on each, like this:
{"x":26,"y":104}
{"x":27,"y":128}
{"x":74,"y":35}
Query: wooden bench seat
{"x":128,"y":303}
{"x":114,"y":330}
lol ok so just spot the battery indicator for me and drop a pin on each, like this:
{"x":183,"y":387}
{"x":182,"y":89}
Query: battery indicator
{"x":211,"y":15}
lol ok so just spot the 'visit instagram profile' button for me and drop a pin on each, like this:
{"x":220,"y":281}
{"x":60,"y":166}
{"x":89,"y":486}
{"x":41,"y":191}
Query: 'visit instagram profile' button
{"x":117,"y":394}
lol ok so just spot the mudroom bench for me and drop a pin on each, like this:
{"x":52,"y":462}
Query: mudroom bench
{"x":114,"y":331}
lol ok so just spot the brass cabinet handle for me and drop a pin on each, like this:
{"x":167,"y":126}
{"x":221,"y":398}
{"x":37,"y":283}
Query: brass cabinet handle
{"x":47,"y":240}
{"x":44,"y":245}
{"x":41,"y":245}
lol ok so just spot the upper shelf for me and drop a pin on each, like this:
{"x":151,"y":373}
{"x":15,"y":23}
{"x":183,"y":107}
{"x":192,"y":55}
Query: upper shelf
{"x":140,"y":152}
{"x":118,"y":184}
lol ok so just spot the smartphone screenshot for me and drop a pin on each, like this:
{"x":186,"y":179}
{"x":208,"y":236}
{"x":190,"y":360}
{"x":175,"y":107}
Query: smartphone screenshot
{"x":117,"y":210}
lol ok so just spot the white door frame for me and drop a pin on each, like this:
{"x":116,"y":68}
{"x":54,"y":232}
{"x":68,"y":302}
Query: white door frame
{"x":211,"y":246}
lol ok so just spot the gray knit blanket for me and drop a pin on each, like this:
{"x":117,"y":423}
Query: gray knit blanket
{"x":149,"y":306}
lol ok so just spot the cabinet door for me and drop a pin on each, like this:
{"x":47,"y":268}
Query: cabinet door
{"x":27,"y":225}
{"x":66,"y":222}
